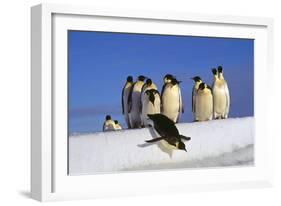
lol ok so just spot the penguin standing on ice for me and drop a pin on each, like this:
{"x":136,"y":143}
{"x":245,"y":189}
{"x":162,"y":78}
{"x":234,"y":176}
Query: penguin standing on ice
{"x":125,"y":98}
{"x":220,"y":94}
{"x":171,"y":100}
{"x":197,"y":82}
{"x":204,"y":103}
{"x":117,"y":126}
{"x":167,"y":130}
{"x":108,"y":124}
{"x":147,"y":86}
{"x":150,"y":104}
{"x":135,"y":103}
{"x":167,"y":79}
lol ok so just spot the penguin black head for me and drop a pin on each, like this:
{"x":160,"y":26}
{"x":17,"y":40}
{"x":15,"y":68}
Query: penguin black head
{"x":215,"y":72}
{"x":196,"y":79}
{"x":220,"y":69}
{"x":175,"y":81}
{"x":141,"y":78}
{"x":148,"y":82}
{"x":108,"y":117}
{"x":129,"y":79}
{"x":168,"y":76}
{"x":116,"y":122}
{"x":202,"y":86}
{"x":181,"y":146}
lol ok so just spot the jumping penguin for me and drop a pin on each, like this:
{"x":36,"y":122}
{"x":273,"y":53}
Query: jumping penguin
{"x":135,"y":103}
{"x":108,"y":124}
{"x":171,"y":100}
{"x":197,"y":82}
{"x":167,"y":130}
{"x":204,"y":103}
{"x":150,"y":104}
{"x":125,"y":98}
{"x":117,"y":126}
{"x":220,"y":95}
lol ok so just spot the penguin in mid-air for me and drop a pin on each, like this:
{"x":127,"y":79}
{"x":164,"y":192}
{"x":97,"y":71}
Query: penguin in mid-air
{"x":134,"y":103}
{"x":125,"y":97}
{"x":117,"y":126}
{"x":171,"y":100}
{"x":151,"y":103}
{"x":108,"y":124}
{"x":197,"y":82}
{"x":204,"y":103}
{"x":167,"y":130}
{"x":220,"y":94}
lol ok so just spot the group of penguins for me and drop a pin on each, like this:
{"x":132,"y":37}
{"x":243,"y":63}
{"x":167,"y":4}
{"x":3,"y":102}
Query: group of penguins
{"x":143,"y":105}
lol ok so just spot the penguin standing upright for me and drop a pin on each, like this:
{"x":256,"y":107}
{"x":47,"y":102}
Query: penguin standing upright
{"x":167,"y":130}
{"x":125,"y":98}
{"x":197,"y":82}
{"x":204,"y":103}
{"x":150,"y":104}
{"x":220,"y":95}
{"x":147,"y":86}
{"x":171,"y":100}
{"x":135,"y":103}
{"x":108,"y":124}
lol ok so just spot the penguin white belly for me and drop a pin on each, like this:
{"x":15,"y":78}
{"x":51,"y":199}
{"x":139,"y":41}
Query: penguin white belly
{"x":220,"y":102}
{"x":204,"y":106}
{"x":149,"y":108}
{"x":171,"y":103}
{"x":135,"y":113}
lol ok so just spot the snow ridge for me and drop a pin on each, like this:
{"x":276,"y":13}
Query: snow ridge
{"x":127,"y":150}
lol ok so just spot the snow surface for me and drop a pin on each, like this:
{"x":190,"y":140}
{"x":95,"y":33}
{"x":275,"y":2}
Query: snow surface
{"x":213,"y":144}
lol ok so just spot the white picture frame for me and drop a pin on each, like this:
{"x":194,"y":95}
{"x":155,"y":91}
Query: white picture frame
{"x":49,"y":179}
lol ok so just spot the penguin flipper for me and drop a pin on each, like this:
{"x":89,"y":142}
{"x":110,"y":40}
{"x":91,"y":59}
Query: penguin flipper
{"x":155,"y":139}
{"x":122,"y":99}
{"x":185,"y":138}
{"x":130,"y":98}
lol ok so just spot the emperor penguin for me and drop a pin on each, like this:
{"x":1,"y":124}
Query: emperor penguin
{"x":108,"y":124}
{"x":117,"y":126}
{"x":204,"y":103}
{"x":171,"y":100}
{"x":135,"y":103}
{"x":125,"y":98}
{"x":220,"y":94}
{"x":197,"y":82}
{"x":167,"y":79}
{"x":147,"y":86}
{"x":150,"y":104}
{"x":168,"y":131}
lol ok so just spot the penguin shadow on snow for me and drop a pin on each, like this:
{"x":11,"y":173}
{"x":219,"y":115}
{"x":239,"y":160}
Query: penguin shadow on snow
{"x":161,"y":144}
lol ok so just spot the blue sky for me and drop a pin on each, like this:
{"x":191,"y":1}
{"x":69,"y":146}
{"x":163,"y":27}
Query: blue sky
{"x":99,"y":63}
